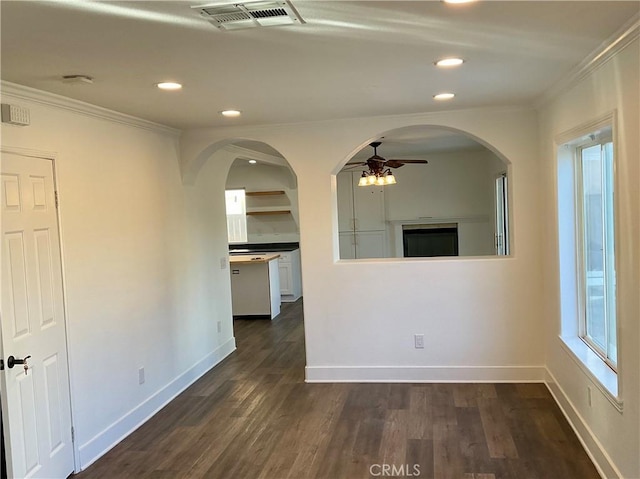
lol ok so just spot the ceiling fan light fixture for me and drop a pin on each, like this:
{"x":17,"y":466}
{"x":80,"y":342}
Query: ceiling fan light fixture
{"x":372,"y":178}
{"x":363,"y":181}
{"x":389,"y":179}
{"x":379,"y":169}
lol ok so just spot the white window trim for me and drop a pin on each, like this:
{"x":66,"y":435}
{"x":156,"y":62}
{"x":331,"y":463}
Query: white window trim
{"x":592,"y":364}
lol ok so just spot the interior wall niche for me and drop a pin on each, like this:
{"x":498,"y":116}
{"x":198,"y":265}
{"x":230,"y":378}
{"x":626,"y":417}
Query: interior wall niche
{"x":456,"y":204}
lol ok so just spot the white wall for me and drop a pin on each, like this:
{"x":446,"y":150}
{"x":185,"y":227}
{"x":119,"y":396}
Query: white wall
{"x":452,"y":184}
{"x":480,"y":317}
{"x":612,"y":437}
{"x":456,"y":184}
{"x":142,"y":286}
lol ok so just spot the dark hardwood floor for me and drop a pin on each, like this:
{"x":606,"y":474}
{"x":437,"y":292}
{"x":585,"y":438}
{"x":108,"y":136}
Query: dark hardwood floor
{"x":254,"y":417}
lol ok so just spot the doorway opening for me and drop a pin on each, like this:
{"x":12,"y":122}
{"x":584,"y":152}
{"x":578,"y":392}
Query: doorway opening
{"x":268,"y":219}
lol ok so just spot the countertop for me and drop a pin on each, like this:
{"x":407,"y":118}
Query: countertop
{"x":262,"y":247}
{"x":252,"y":259}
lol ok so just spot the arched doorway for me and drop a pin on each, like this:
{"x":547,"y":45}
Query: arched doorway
{"x":270,"y":215}
{"x":270,"y":219}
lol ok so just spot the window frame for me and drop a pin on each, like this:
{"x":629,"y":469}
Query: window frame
{"x":604,"y":378}
{"x":595,"y":139}
{"x":236,"y":222}
{"x":502,"y":238}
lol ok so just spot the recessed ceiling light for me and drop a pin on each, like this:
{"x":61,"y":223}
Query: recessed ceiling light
{"x":444,"y":96}
{"x":168,"y":85}
{"x":230,"y":113}
{"x":449,"y":62}
{"x":253,"y":162}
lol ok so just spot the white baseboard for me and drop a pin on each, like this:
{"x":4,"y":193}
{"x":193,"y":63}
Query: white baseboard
{"x":424,"y":374}
{"x":100,"y":444}
{"x":601,"y":460}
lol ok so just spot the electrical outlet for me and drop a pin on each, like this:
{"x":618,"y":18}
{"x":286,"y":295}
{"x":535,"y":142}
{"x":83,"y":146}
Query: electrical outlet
{"x":589,"y":395}
{"x":141,"y":376}
{"x":418,"y":340}
{"x":219,"y":326}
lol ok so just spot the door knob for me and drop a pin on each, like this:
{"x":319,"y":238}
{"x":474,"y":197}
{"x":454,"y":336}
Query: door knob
{"x":11,"y":362}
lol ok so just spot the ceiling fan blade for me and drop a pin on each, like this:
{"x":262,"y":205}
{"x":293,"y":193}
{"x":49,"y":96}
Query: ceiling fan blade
{"x":399,"y":163}
{"x":421,"y":162}
{"x":356,"y":163}
{"x":394,"y":164}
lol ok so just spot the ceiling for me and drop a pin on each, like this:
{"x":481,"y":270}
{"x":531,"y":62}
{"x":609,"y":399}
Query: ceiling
{"x":350,"y":58}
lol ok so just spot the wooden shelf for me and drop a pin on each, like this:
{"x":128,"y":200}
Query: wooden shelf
{"x":271,"y":212}
{"x":264,"y":193}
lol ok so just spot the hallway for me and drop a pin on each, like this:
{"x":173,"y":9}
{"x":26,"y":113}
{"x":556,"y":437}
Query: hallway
{"x":253,"y":416}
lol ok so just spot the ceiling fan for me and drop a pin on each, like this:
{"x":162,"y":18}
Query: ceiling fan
{"x":379,"y":172}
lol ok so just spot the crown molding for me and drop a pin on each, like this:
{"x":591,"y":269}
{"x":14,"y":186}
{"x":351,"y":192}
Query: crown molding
{"x":22,"y":92}
{"x":617,"y":42}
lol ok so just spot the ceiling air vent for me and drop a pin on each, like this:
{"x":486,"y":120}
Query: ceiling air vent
{"x":251,"y":14}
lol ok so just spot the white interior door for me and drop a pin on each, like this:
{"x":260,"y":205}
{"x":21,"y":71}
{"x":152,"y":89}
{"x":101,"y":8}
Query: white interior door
{"x":35,"y":401}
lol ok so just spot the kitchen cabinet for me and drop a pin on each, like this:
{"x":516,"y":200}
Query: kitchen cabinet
{"x":255,"y":285}
{"x":361,"y":218}
{"x":362,"y":244}
{"x":289,"y":269}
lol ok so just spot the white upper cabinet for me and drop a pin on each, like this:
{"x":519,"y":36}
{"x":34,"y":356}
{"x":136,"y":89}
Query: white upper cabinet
{"x":361,"y":218}
{"x":360,"y":208}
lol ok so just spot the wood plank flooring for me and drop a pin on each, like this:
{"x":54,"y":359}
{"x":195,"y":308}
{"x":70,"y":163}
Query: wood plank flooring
{"x":254,"y":417}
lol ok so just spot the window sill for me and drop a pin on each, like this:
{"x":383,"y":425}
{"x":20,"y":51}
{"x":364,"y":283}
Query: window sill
{"x":604,"y":378}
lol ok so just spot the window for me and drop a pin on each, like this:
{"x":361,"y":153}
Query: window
{"x":236,"y":207}
{"x":586,"y":247}
{"x":596,"y":247}
{"x":502,"y":216}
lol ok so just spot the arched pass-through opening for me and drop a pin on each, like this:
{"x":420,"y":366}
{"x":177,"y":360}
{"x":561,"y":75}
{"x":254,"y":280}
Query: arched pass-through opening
{"x":248,"y":192}
{"x":424,"y":191}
